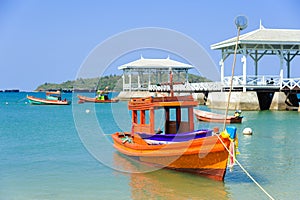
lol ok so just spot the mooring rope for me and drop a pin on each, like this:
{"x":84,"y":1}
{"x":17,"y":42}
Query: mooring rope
{"x":246,"y":172}
{"x":226,"y":113}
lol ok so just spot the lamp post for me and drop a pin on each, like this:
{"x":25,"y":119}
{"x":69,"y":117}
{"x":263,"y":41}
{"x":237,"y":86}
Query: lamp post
{"x":241,"y":23}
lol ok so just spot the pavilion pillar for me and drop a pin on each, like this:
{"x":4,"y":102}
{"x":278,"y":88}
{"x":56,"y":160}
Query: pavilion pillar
{"x":288,"y":65}
{"x":156,"y":76}
{"x":288,"y":59}
{"x":281,"y":65}
{"x":123,"y":77}
{"x":221,"y":63}
{"x":178,"y":76}
{"x":186,"y":76}
{"x":244,"y":61}
{"x":159,"y":77}
{"x":129,"y":80}
{"x":256,"y":63}
{"x":139,"y":81}
{"x":149,"y":79}
{"x":142,"y":79}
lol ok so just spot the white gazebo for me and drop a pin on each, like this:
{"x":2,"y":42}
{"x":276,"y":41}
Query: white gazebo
{"x":284,"y":43}
{"x":140,"y":74}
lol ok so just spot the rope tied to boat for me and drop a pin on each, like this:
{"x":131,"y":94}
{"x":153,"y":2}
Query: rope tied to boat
{"x":246,"y":172}
{"x":233,"y":148}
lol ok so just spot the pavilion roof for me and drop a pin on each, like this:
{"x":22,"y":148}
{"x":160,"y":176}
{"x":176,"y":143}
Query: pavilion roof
{"x":263,"y":36}
{"x":146,"y":63}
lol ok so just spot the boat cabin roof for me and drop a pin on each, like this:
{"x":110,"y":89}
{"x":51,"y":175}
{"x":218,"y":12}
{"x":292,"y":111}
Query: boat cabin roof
{"x":161,"y":102}
{"x":53,"y":93}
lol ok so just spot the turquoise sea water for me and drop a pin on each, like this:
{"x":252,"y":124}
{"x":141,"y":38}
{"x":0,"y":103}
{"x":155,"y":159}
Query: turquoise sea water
{"x":46,"y":154}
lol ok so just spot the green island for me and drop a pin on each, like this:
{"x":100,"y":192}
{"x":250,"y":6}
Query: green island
{"x":113,"y":82}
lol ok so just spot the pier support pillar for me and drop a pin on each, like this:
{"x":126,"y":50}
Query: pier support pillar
{"x":239,"y":100}
{"x":278,"y":102}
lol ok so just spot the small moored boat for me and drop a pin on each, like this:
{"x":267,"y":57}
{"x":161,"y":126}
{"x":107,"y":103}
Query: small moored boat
{"x":214,"y":117}
{"x":52,"y":98}
{"x":83,"y":99}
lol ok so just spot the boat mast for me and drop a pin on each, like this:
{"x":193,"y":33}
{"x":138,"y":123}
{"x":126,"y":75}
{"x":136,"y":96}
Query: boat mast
{"x":241,"y":24}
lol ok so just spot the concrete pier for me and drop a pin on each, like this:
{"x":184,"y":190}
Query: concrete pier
{"x":278,"y":102}
{"x":250,"y":100}
{"x":126,"y":95}
{"x":238,"y":100}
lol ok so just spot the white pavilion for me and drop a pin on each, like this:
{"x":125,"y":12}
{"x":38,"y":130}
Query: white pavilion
{"x":283,"y":43}
{"x":140,"y":74}
{"x":254,"y":91}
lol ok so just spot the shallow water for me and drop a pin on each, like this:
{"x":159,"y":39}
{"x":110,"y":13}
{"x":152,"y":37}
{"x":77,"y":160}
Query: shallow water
{"x":46,"y":154}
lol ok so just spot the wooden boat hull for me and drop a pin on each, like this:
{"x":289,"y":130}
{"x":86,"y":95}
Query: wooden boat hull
{"x":212,"y":166}
{"x":83,"y":99}
{"x":40,"y":101}
{"x":204,"y":156}
{"x":217,"y":118}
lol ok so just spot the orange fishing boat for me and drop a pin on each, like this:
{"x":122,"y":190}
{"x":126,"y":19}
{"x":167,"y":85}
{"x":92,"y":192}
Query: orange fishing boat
{"x":83,"y":99}
{"x":218,"y":118}
{"x":204,"y":153}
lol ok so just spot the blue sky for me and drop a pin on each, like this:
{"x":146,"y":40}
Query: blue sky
{"x":47,"y":41}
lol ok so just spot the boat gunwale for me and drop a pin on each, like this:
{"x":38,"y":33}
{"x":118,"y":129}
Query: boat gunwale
{"x":94,"y":100}
{"x":206,"y":144}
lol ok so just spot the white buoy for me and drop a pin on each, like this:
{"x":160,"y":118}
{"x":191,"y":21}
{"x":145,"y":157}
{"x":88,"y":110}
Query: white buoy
{"x":87,"y":111}
{"x":6,"y":103}
{"x":247,"y":131}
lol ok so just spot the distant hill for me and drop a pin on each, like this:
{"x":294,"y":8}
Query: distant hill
{"x":85,"y":84}
{"x":113,"y":82}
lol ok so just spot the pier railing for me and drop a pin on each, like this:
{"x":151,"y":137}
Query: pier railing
{"x":134,"y":87}
{"x":290,"y":84}
{"x":189,"y":87}
{"x":251,"y":82}
{"x":267,"y":80}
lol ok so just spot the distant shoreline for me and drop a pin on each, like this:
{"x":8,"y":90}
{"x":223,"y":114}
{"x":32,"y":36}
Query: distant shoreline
{"x":64,"y":91}
{"x":10,"y":90}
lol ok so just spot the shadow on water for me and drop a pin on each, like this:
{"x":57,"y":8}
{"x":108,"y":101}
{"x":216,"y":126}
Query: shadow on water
{"x":167,"y":184}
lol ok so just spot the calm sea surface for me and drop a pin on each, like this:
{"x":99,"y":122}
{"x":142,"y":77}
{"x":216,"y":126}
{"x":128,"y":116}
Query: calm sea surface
{"x":65,"y":152}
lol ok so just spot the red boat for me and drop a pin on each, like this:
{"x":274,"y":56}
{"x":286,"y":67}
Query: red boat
{"x":83,"y":99}
{"x":215,"y":117}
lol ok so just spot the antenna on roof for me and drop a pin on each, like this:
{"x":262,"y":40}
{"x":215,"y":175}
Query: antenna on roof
{"x":260,"y":25}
